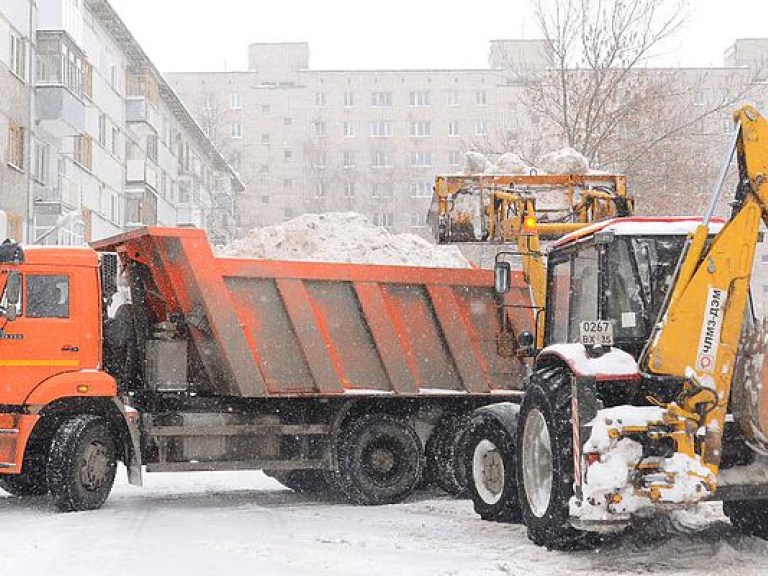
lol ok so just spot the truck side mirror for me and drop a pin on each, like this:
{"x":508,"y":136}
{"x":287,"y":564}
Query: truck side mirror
{"x":502,"y":274}
{"x":12,"y":294}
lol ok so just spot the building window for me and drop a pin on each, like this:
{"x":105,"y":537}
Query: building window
{"x":287,"y":155}
{"x":420,"y":98}
{"x":287,"y":184}
{"x":266,"y":109}
{"x":421,"y":129}
{"x":385,"y":219}
{"x":235,"y":101}
{"x":84,"y":151}
{"x":16,"y":146}
{"x":381,"y":99}
{"x":152,"y":147}
{"x":535,"y":119}
{"x":320,"y":99}
{"x":481,"y":98}
{"x":115,"y":140}
{"x":381,"y":129}
{"x":287,"y":121}
{"x":103,"y":130}
{"x":319,"y":127}
{"x":383,"y":190}
{"x":381,"y":159}
{"x":264,"y":169}
{"x":236,"y":130}
{"x":287,"y":213}
{"x":349,"y":190}
{"x":699,"y":98}
{"x":265,"y":199}
{"x":321,"y":190}
{"x":420,"y":188}
{"x":453,"y":128}
{"x":348,"y":159}
{"x":420,"y":159}
{"x":320,"y":159}
{"x":265,"y":139}
{"x":418,"y":220}
{"x":481,"y":128}
{"x":454,"y":158}
{"x":349,"y":99}
{"x":39,"y":161}
{"x":18,"y":56}
{"x":452,"y":98}
{"x":349,"y":129}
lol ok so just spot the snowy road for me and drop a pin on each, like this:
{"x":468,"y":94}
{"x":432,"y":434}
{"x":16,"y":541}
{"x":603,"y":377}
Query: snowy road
{"x":244,"y":523}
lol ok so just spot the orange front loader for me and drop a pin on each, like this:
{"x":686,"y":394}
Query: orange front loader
{"x":353,"y":378}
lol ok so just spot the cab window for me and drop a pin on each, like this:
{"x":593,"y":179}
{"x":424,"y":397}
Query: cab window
{"x":47,"y":296}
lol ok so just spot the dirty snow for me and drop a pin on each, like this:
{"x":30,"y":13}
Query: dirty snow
{"x":243,"y":523}
{"x":341,"y":237}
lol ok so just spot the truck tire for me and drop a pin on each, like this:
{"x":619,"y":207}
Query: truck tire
{"x":28,"y":483}
{"x":446,"y":463}
{"x":380,"y":460}
{"x":748,"y":516}
{"x":302,"y":481}
{"x":545,"y":461}
{"x":491,"y":465}
{"x":81,"y":464}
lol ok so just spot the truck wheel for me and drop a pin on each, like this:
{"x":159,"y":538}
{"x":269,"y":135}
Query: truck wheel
{"x":490,"y":460}
{"x":380,"y":459}
{"x":81,"y":464}
{"x":748,"y":516}
{"x":545,"y":460}
{"x":302,"y":481}
{"x":445,"y":452}
{"x":28,"y":483}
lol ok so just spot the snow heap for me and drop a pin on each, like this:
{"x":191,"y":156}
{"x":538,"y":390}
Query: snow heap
{"x":563,"y":161}
{"x":341,"y":237}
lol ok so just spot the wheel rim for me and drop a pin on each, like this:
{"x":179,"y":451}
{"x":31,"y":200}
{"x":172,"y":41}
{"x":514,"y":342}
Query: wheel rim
{"x":94,"y":466}
{"x":488,"y":472}
{"x":537,"y":463}
{"x":381,"y":460}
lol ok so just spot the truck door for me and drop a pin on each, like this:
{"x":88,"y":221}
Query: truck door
{"x":44,"y":339}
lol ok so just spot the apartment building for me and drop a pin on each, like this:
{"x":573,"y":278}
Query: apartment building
{"x":104,"y":143}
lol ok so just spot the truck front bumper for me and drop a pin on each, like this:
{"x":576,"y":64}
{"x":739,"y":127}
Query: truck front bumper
{"x":15,"y":429}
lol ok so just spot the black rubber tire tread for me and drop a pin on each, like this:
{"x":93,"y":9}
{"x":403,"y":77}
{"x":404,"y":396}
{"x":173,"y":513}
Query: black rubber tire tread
{"x":549,"y":391}
{"x":302,"y":481}
{"x":358,"y":434}
{"x":31,"y":482}
{"x":445,"y":453}
{"x":507,"y":509}
{"x":67,"y":490}
{"x":748,"y":516}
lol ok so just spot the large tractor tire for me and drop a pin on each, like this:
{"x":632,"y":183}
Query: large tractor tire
{"x":545,"y":461}
{"x":490,"y":460}
{"x":446,"y":463}
{"x":380,"y":459}
{"x":81,"y":464}
{"x":748,"y":516}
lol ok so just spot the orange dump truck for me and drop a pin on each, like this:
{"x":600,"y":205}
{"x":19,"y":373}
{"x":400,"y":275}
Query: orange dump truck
{"x":355,"y":378}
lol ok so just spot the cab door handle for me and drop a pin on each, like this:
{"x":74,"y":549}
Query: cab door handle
{"x":68,"y":348}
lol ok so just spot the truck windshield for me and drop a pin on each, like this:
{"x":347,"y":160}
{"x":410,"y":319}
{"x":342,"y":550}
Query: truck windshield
{"x":639,"y":273}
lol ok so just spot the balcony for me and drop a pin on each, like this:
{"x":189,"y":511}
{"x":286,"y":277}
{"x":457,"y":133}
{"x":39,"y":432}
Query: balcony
{"x":139,"y":110}
{"x":60,"y":111}
{"x":141,"y":173}
{"x":53,"y":199}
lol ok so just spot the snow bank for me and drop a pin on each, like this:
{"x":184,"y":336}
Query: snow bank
{"x":341,"y":237}
{"x":564,"y":161}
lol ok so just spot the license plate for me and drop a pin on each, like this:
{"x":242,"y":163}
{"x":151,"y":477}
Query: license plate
{"x":596,"y":333}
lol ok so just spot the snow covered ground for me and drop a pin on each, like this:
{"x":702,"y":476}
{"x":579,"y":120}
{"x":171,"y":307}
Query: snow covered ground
{"x":244,"y":523}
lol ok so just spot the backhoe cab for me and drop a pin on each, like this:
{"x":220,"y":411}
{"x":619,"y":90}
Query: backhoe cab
{"x":645,"y":392}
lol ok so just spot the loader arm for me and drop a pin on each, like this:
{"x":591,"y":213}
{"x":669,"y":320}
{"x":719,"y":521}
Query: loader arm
{"x":697,"y":337}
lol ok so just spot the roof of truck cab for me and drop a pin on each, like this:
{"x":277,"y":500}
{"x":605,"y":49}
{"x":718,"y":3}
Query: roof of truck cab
{"x":60,"y":255}
{"x":642,"y":226}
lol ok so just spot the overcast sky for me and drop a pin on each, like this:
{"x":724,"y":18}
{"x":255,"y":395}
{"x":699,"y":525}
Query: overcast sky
{"x":209,"y":35}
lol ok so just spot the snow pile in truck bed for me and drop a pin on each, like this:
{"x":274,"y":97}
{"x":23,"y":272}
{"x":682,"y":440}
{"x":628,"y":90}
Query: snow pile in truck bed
{"x":341,"y":237}
{"x":564,"y":161}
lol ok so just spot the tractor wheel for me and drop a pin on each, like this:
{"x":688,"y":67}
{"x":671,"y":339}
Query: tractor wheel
{"x":81,"y":464}
{"x":446,"y":463}
{"x":490,"y":460}
{"x":545,"y":461}
{"x":748,"y":516}
{"x":380,"y":460}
